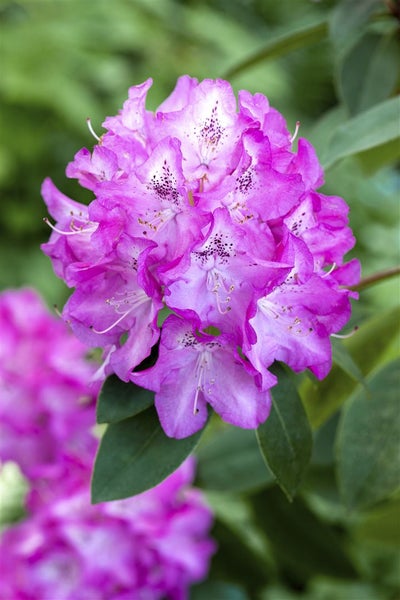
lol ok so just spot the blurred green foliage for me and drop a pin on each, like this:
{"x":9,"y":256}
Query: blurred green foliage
{"x":334,"y":66}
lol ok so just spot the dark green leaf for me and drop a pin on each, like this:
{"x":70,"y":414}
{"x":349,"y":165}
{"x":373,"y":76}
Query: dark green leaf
{"x":334,"y":589}
{"x":236,"y":560}
{"x":303,"y":544}
{"x":369,"y":129}
{"x":217,"y":590}
{"x":368,"y":440}
{"x":231,"y":461}
{"x":323,"y":128}
{"x":285,"y":438}
{"x":287,"y":42}
{"x":348,"y":17}
{"x":369,"y":347}
{"x":342,"y":357}
{"x":369,"y":71}
{"x":135,"y":455}
{"x":374,"y":159}
{"x":119,"y":400}
{"x":381,"y":525}
{"x":323,"y":454}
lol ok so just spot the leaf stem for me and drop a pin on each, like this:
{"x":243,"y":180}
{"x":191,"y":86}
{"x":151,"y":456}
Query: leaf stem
{"x":281,"y":45}
{"x":376,"y":278}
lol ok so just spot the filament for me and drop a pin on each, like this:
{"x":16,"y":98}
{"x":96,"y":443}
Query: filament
{"x":159,"y":220}
{"x":296,"y":131}
{"x":107,"y":329}
{"x":346,"y":335}
{"x":57,"y":311}
{"x":214,"y":284}
{"x":200,"y":367}
{"x":333,"y":267}
{"x":92,"y":131}
{"x":131,"y":299}
{"x":76,"y":231}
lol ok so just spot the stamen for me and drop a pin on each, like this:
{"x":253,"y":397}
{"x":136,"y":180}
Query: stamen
{"x":198,"y":390}
{"x":333,"y":267}
{"x":92,"y":131}
{"x":107,"y":329}
{"x":221,"y":310}
{"x":200,"y":367}
{"x":190,"y":198}
{"x":158,"y":220}
{"x":215,"y":284}
{"x":54,"y":228}
{"x":57,"y":311}
{"x":239,"y":212}
{"x":347,"y":335}
{"x":76,"y":231}
{"x":202,"y":180}
{"x":293,"y":324}
{"x":296,"y":131}
{"x":132,"y":299}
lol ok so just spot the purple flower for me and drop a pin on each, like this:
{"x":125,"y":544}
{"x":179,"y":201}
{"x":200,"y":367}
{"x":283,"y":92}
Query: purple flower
{"x":205,"y":208}
{"x":209,"y":370}
{"x":152,"y":546}
{"x":46,"y":402}
{"x":149,"y":547}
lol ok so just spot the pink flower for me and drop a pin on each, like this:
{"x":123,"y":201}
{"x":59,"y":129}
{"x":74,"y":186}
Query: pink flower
{"x":46,"y":402}
{"x":205,"y":208}
{"x":152,"y":546}
{"x":149,"y":547}
{"x":209,"y":369}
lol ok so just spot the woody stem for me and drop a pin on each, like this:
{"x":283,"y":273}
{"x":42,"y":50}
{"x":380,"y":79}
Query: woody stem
{"x":376,"y":278}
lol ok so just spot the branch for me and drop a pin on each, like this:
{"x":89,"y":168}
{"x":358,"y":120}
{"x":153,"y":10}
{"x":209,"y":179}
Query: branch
{"x":376,"y":278}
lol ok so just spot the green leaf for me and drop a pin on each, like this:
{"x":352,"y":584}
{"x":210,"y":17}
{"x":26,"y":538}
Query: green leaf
{"x":334,"y":589}
{"x":119,"y":400}
{"x":374,"y":159}
{"x":236,"y":561}
{"x":342,"y":357}
{"x":381,"y":525}
{"x":348,"y":17}
{"x":283,"y":44}
{"x":218,"y":590}
{"x":303,"y":544}
{"x":369,"y":71}
{"x":368,"y":441}
{"x":324,"y":440}
{"x":135,"y":455}
{"x":285,"y":439}
{"x":369,"y":347}
{"x":231,"y":461}
{"x":234,"y":512}
{"x":369,"y":129}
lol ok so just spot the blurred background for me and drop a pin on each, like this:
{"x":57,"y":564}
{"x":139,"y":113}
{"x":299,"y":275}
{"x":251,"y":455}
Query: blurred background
{"x":62,"y":61}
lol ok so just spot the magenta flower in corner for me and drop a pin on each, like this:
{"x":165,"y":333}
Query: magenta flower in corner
{"x":153,"y":546}
{"x":205,"y":208}
{"x":149,"y":547}
{"x":46,"y":400}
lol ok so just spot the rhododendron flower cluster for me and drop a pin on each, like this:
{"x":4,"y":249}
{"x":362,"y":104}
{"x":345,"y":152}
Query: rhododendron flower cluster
{"x":203,"y":207}
{"x":149,"y":547}
{"x":46,"y":403}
